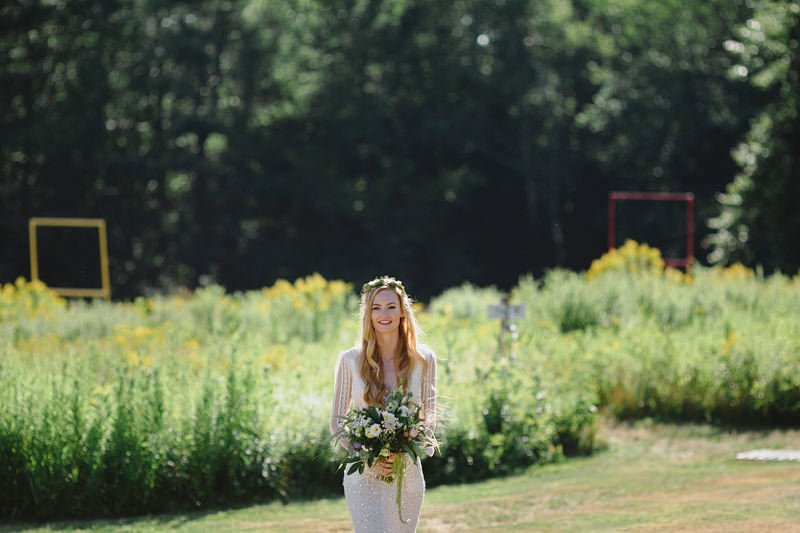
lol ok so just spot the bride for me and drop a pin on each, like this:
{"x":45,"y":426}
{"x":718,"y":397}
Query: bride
{"x":386,"y":357}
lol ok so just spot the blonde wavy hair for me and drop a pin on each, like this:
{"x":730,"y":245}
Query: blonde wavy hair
{"x":409,"y":356}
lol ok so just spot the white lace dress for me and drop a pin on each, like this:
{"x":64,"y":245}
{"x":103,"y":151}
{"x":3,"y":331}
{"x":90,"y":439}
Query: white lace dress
{"x":371,"y":501}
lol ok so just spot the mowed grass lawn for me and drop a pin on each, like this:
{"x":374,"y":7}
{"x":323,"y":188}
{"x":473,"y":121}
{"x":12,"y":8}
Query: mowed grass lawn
{"x":649,"y":477}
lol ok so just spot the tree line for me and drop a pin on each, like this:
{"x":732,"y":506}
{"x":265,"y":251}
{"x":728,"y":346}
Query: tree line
{"x":235,"y":142}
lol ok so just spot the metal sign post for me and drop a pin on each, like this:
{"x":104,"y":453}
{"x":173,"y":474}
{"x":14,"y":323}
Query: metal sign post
{"x":506,"y":312}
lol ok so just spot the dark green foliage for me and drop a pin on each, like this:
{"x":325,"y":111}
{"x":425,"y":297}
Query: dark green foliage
{"x":757,"y":219}
{"x":239,"y":141}
{"x":309,"y":469}
{"x":576,"y":314}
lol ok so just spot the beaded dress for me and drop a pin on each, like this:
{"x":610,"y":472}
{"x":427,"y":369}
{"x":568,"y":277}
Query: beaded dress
{"x":371,"y":501}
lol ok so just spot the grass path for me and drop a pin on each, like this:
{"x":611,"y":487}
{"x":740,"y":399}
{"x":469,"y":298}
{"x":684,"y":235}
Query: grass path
{"x":650,"y":477}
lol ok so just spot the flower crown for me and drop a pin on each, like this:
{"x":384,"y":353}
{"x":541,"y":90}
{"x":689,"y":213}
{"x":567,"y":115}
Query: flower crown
{"x":383,"y":282}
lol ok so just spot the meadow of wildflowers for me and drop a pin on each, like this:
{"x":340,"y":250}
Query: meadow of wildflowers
{"x":204,"y":399}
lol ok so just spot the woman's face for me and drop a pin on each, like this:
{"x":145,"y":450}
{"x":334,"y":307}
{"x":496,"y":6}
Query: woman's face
{"x":386,"y":311}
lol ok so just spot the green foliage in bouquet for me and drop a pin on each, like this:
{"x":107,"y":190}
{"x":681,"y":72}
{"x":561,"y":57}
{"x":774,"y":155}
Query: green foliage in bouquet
{"x":377,"y":431}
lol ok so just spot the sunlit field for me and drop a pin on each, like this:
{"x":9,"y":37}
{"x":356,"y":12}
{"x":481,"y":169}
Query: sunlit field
{"x":203,"y":399}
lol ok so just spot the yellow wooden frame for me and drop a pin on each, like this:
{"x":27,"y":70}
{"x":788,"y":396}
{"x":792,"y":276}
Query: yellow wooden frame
{"x":100,"y":224}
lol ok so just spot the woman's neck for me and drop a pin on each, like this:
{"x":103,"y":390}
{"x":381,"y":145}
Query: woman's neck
{"x":387,"y":345}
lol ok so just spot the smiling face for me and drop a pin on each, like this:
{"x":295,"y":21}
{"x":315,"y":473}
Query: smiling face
{"x":386,"y":311}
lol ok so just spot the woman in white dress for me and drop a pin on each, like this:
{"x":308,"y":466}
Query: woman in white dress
{"x":386,"y":357}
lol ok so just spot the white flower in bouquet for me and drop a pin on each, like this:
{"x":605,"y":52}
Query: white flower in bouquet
{"x":390,"y":422}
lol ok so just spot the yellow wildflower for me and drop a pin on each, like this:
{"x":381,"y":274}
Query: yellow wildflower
{"x":631,"y":257}
{"x":734,"y":272}
{"x":132,"y":358}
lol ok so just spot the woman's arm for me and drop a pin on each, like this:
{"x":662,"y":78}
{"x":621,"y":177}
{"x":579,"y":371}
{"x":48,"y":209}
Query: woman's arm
{"x":429,"y":391}
{"x":341,"y":395}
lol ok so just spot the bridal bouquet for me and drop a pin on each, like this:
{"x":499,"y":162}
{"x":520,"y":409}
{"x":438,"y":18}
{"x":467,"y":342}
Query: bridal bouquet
{"x":378,"y":431}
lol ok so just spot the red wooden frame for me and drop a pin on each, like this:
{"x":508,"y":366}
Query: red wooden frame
{"x":615,"y":196}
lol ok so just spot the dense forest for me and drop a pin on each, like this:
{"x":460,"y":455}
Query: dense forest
{"x":236,"y":142}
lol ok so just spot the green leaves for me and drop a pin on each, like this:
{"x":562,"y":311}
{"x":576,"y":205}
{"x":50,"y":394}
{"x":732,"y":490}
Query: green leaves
{"x":245,"y":140}
{"x":755,"y":219}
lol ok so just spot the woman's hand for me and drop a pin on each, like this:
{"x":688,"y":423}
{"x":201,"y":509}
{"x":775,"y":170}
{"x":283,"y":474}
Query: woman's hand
{"x":384,"y":466}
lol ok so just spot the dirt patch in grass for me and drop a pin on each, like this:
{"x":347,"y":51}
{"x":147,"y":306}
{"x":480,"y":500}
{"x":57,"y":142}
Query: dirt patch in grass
{"x":736,"y":526}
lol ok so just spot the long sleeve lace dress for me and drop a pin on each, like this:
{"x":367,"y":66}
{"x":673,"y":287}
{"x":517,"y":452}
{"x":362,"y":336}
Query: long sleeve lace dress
{"x":371,"y":501}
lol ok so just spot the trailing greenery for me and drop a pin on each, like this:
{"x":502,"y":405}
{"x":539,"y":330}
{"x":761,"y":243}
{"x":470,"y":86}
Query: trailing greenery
{"x":195,"y":400}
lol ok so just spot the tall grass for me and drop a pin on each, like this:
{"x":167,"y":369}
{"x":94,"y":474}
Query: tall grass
{"x":721,"y":345}
{"x":210,"y":398}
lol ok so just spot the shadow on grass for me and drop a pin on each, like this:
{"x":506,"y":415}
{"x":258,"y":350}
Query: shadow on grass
{"x":668,"y":426}
{"x":170,"y":519}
